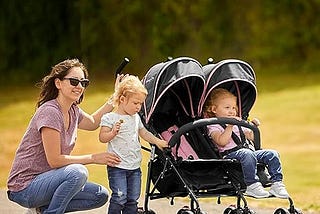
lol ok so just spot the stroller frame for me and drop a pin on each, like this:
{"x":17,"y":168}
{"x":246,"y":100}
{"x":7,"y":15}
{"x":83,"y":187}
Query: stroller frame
{"x":228,"y":182}
{"x":194,"y":204}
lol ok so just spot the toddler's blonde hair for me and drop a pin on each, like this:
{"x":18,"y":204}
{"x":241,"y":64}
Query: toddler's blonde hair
{"x":129,"y":85}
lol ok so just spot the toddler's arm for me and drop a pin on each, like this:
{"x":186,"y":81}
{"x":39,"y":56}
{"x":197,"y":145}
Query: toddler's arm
{"x":106,"y":134}
{"x":149,"y":137}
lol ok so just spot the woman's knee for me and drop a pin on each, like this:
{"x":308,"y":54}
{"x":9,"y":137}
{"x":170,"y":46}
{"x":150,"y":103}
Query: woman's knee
{"x":78,"y":172}
{"x":102,"y":196}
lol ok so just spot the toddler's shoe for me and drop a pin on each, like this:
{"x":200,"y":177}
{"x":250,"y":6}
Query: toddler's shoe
{"x":278,"y":189}
{"x":256,"y":190}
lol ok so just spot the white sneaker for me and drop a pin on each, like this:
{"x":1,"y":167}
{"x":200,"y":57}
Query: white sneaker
{"x":256,"y":190}
{"x":278,"y":189}
{"x":32,"y":211}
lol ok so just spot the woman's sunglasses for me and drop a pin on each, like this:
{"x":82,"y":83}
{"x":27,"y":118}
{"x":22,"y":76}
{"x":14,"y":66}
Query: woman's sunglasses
{"x":75,"y":82}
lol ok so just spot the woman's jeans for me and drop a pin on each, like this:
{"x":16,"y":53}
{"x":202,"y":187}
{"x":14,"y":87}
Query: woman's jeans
{"x":61,"y":190}
{"x":249,"y":160}
{"x":125,"y":185}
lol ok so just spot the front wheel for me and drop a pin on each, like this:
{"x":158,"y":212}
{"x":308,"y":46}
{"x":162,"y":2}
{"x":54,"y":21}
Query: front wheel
{"x":141,"y":211}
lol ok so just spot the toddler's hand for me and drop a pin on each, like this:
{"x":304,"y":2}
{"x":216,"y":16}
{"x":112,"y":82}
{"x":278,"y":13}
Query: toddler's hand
{"x":162,"y":144}
{"x":117,"y":126}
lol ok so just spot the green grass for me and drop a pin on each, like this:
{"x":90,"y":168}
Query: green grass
{"x":287,"y":105}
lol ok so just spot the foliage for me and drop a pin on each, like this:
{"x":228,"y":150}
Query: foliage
{"x":35,"y":35}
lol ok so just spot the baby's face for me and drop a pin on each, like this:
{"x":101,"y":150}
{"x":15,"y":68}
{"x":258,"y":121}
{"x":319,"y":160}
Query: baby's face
{"x":226,"y":107}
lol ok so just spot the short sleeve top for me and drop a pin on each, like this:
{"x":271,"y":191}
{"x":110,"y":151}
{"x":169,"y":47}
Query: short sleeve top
{"x":219,"y":128}
{"x":30,"y":159}
{"x":126,"y":143}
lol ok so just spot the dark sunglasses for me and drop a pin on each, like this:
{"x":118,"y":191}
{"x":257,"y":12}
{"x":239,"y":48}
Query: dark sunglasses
{"x":75,"y":82}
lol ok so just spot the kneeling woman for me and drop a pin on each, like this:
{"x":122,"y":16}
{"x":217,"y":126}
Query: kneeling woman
{"x":44,"y":175}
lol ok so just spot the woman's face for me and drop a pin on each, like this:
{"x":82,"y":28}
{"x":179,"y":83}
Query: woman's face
{"x":71,"y":86}
{"x":225,"y":107}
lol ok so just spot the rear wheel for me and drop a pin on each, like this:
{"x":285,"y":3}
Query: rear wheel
{"x":185,"y":210}
{"x":231,"y":210}
{"x":281,"y":211}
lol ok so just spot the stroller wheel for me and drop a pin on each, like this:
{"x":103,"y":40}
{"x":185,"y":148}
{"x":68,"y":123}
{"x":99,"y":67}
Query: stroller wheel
{"x":231,"y":210}
{"x":297,"y":211}
{"x":141,"y":211}
{"x":185,"y":210}
{"x":281,"y":211}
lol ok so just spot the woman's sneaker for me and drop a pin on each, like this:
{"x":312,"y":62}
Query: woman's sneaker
{"x":32,"y":211}
{"x":256,"y":190}
{"x":278,"y":189}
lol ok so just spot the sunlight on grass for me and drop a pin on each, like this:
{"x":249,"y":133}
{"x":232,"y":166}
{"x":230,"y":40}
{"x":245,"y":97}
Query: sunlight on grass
{"x":289,"y":123}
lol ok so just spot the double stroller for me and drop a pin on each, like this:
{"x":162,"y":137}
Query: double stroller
{"x":192,"y":166}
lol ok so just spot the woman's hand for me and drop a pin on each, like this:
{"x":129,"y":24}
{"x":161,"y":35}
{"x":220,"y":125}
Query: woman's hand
{"x":118,"y":79}
{"x":106,"y":158}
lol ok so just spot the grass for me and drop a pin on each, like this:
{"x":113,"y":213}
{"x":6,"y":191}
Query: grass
{"x":287,"y":106}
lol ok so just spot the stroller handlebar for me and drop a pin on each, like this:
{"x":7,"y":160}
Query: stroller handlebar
{"x":210,"y":121}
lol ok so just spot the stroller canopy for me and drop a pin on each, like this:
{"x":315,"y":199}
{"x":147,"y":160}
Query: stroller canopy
{"x":236,"y":76}
{"x":172,"y":85}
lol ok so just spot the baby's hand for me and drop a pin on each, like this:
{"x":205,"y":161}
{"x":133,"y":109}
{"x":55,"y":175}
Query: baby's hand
{"x":255,"y":121}
{"x":237,"y":118}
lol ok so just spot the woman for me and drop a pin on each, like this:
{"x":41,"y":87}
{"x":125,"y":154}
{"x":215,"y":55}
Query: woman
{"x":44,"y":175}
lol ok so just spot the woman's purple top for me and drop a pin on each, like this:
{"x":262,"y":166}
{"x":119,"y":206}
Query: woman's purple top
{"x":30,"y":159}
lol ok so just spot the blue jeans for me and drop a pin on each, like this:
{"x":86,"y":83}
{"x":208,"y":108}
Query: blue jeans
{"x":249,"y":160}
{"x":62,"y":190}
{"x":125,"y":185}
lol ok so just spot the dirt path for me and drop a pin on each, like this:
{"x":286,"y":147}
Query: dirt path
{"x":160,"y":206}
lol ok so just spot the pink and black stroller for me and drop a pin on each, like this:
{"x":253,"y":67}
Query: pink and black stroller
{"x":192,"y":166}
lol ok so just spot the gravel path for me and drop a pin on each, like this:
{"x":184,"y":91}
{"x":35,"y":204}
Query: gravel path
{"x":160,"y":206}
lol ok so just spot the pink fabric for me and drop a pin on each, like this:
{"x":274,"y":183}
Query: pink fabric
{"x":184,"y":150}
{"x":219,"y":128}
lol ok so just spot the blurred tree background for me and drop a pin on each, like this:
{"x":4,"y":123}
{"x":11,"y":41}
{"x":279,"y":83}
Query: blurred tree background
{"x":36,"y":34}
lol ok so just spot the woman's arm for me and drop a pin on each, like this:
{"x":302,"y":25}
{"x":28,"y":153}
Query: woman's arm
{"x":92,"y":122}
{"x":51,"y":143}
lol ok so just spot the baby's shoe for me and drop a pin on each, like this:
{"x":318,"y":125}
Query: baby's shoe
{"x":256,"y":190}
{"x":278,"y":189}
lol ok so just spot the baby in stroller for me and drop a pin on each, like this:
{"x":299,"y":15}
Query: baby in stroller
{"x":231,"y":142}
